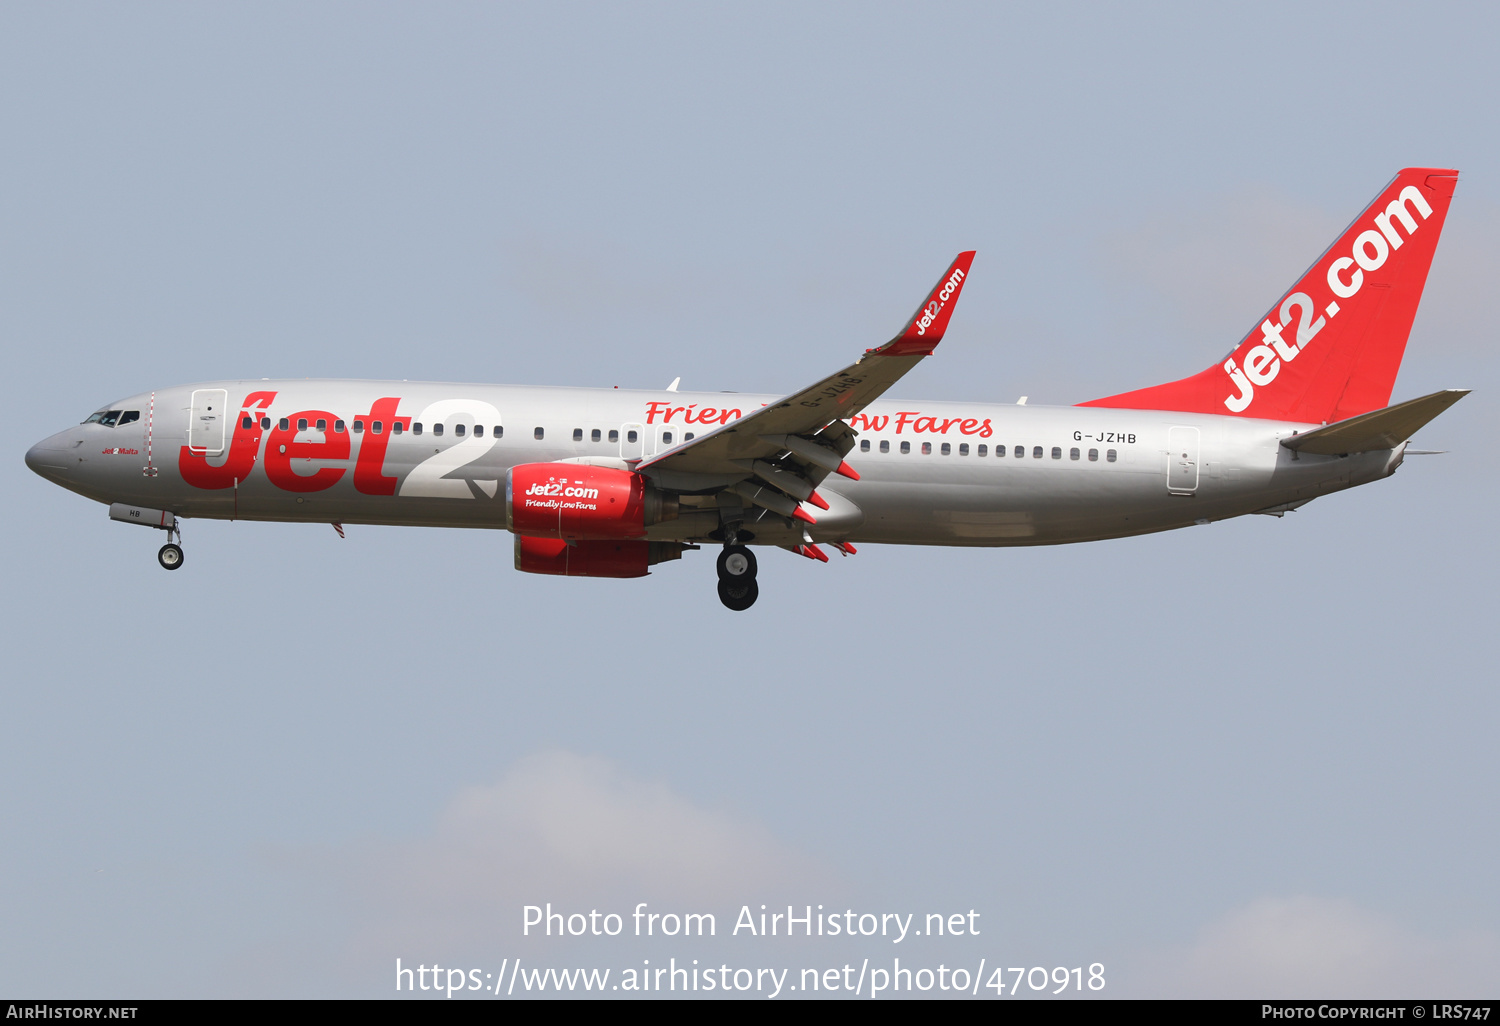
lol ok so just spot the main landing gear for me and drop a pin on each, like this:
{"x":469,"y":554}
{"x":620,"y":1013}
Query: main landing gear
{"x":737,"y":587}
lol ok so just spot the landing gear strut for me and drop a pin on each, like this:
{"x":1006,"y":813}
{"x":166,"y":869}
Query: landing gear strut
{"x":170,"y":554}
{"x":737,"y":587}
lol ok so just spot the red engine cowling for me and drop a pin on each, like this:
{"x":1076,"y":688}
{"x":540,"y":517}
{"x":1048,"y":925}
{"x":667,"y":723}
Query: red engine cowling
{"x":591,"y":558}
{"x":573,"y":501}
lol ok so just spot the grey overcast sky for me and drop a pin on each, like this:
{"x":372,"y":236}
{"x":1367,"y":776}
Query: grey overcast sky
{"x":1256,"y":758}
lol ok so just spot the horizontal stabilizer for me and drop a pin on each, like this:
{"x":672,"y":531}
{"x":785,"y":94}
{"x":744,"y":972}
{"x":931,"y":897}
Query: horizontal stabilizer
{"x":1380,"y":429}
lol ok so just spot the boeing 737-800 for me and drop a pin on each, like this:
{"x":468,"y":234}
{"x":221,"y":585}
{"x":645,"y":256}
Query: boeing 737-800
{"x":607,"y":483}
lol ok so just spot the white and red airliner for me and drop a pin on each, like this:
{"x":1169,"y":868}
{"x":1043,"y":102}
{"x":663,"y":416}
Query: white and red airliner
{"x":607,"y":483}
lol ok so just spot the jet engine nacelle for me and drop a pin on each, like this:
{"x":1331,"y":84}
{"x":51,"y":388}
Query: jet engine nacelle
{"x":591,"y":558}
{"x":575,"y":501}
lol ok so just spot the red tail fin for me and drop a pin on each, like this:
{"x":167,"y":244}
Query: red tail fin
{"x":1331,"y":348}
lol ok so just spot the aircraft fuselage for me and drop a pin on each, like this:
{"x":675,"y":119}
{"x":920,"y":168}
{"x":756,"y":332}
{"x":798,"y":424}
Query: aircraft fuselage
{"x":931,"y":473}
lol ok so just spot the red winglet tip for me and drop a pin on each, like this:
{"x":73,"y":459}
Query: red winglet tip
{"x":817,"y":500}
{"x":848,"y":472}
{"x":926,"y":328}
{"x":801,"y":514}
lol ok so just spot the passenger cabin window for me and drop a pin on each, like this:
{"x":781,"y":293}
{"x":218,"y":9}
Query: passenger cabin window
{"x":630,"y":436}
{"x":984,"y":450}
{"x":688,"y":437}
{"x":578,"y":434}
{"x":301,"y":423}
{"x":247,"y":423}
{"x":963,"y":448}
{"x":265,"y":423}
{"x":926,"y":448}
{"x":864,"y":445}
{"x":946,"y":450}
{"x":129,"y":417}
{"x":666,"y":438}
{"x":1093,"y":455}
{"x":286,"y":425}
{"x":1036,"y":452}
{"x":416,"y":427}
{"x":338,"y":427}
{"x":1072,"y":454}
{"x":459,"y":430}
{"x":1020,"y":452}
{"x":437,"y":429}
{"x":1057,"y":452}
{"x":885,"y":446}
{"x":322,"y":424}
{"x":1111,"y":455}
{"x":594,"y":435}
{"x":376,"y":426}
{"x":397,"y":426}
{"x":499,"y":431}
{"x":906,"y":447}
{"x":478,"y":430}
{"x":614,"y":436}
{"x":539,"y":433}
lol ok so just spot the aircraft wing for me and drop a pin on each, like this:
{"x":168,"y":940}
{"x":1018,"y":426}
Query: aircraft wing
{"x":792,"y":425}
{"x":1379,"y":429}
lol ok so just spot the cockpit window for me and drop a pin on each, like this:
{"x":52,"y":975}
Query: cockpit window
{"x":105,"y":418}
{"x":129,"y":417}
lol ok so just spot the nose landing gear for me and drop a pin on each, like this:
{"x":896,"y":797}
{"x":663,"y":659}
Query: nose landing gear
{"x":170,"y":554}
{"x":737,"y":587}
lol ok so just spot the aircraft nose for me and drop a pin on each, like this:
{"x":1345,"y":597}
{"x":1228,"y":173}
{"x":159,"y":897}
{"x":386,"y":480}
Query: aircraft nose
{"x":48,"y":459}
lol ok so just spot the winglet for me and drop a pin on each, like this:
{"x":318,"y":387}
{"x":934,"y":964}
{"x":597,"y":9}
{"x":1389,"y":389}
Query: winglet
{"x":926,"y":327}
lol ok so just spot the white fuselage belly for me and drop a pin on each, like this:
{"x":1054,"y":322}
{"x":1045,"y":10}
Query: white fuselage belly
{"x":1224,"y":466}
